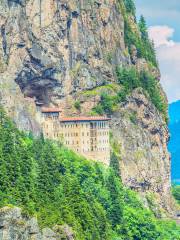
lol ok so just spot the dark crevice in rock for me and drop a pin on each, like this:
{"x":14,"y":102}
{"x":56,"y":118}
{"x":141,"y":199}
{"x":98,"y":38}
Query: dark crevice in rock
{"x":4,"y":42}
{"x":12,"y":3}
{"x":75,"y":14}
{"x":37,"y":82}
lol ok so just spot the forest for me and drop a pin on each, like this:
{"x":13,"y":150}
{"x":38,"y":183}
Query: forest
{"x":57,"y":186}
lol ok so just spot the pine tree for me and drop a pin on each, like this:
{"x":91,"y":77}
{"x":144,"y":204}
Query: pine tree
{"x":143,"y":28}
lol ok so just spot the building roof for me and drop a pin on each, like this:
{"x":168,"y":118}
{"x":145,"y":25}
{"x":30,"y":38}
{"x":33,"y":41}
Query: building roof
{"x":82,"y":119}
{"x":50,"y":110}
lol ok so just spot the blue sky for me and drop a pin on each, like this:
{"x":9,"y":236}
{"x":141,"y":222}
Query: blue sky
{"x":163,"y":20}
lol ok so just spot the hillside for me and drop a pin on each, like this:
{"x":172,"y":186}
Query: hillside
{"x":75,"y":197}
{"x":89,"y":58}
{"x":174,"y":145}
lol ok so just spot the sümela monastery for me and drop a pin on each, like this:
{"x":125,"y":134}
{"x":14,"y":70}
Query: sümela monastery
{"x":88,"y":136}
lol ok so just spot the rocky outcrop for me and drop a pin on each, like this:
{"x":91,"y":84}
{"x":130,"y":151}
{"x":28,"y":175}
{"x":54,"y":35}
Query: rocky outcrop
{"x":13,"y":225}
{"x":54,"y":51}
{"x":51,"y":49}
{"x":141,"y":136}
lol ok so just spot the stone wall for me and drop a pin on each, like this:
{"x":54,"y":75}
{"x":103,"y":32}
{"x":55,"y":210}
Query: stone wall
{"x":87,"y":138}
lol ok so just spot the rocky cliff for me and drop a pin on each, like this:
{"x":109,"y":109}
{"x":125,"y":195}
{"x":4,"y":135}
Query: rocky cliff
{"x":53,"y":49}
{"x":59,"y":52}
{"x":13,"y":225}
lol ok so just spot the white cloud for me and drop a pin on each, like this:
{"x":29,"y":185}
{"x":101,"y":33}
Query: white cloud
{"x":168,"y":53}
{"x":161,"y":35}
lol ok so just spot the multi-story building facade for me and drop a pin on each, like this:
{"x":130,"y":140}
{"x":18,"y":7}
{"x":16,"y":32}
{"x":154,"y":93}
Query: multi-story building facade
{"x":88,"y":136}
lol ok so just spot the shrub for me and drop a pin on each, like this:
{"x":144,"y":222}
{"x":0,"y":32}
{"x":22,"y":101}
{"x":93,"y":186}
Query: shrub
{"x":60,"y":187}
{"x":77,"y":105}
{"x":139,"y":38}
{"x":131,"y":79}
{"x":176,"y":193}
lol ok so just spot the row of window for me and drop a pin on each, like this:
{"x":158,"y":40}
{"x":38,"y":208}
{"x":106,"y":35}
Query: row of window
{"x":100,"y":141}
{"x":94,"y":140}
{"x":85,"y":134}
{"x":92,"y":150}
{"x":99,"y":149}
{"x":70,"y":135}
{"x":93,"y":134}
{"x":99,"y":125}
{"x":73,"y":142}
{"x":92,"y":125}
{"x":104,"y":133}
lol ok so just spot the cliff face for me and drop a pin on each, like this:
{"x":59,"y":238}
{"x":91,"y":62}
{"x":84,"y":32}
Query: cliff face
{"x":52,"y":49}
{"x":13,"y":225}
{"x":53,"y":52}
{"x":142,"y":138}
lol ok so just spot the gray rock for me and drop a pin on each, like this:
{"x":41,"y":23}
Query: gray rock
{"x":13,"y":226}
{"x":51,"y":52}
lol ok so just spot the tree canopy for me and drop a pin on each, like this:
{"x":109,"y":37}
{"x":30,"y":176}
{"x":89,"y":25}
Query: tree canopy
{"x":58,"y":186}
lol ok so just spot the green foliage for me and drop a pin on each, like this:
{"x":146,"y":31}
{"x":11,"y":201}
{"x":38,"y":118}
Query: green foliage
{"x":176,"y":193}
{"x":130,"y":6}
{"x":52,"y":182}
{"x":152,"y":87}
{"x":114,"y":163}
{"x":143,"y":28}
{"x":107,"y":102}
{"x":133,"y":117}
{"x":146,"y":49}
{"x":131,"y":79}
{"x":138,"y":38}
{"x":77,"y":105}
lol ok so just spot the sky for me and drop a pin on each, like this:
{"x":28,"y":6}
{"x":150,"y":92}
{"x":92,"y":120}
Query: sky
{"x":163,"y":20}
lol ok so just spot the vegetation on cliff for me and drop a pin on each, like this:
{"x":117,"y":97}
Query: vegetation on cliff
{"x":56,"y":185}
{"x":130,"y":79}
{"x":176,"y":193}
{"x":137,"y":35}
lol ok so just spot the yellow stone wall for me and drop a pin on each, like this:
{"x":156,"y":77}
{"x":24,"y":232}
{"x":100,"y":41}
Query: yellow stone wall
{"x":87,"y":138}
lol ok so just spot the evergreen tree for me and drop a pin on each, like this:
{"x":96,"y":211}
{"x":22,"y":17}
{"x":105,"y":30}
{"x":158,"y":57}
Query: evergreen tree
{"x":143,"y":28}
{"x":59,"y":187}
{"x":130,"y":6}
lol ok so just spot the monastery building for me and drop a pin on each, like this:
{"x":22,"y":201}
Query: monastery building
{"x":88,"y":136}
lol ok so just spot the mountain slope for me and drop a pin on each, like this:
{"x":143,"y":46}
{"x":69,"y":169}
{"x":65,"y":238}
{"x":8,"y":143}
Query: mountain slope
{"x":94,"y":55}
{"x":49,"y":181}
{"x":174,"y":145}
